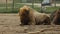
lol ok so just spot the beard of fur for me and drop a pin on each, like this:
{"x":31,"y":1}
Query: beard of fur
{"x":25,"y":19}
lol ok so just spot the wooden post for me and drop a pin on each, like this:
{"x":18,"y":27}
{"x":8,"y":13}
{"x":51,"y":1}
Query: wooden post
{"x":6,"y":5}
{"x":41,"y":6}
{"x":32,"y":3}
{"x":13,"y":5}
{"x":54,"y":3}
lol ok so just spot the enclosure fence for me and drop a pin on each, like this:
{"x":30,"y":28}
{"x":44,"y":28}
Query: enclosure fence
{"x":12,"y":6}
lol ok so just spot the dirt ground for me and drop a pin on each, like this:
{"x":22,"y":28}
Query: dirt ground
{"x":9,"y":24}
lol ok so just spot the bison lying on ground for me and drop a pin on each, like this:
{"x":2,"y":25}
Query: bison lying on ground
{"x":29,"y":16}
{"x":56,"y":19}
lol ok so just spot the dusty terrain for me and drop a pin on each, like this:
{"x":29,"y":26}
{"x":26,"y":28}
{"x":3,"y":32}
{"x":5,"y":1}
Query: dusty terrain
{"x":9,"y":24}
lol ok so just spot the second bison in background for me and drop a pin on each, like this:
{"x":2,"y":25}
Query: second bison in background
{"x":29,"y":16}
{"x":56,"y":18}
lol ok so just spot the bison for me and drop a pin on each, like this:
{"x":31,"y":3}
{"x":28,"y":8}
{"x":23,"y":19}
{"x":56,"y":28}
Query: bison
{"x":29,"y":16}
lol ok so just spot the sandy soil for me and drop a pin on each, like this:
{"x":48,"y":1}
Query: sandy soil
{"x":9,"y":24}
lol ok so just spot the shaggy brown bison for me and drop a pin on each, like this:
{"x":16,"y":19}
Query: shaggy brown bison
{"x":29,"y":16}
{"x":56,"y":19}
{"x":26,"y":16}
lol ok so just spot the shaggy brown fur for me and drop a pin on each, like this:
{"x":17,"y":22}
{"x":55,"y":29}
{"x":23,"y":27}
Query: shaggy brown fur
{"x":42,"y":19}
{"x":28,"y":16}
{"x":56,"y":19}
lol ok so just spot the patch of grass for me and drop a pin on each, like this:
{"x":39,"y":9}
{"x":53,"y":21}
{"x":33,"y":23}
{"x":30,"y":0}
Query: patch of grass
{"x":9,"y":8}
{"x":51,"y":9}
{"x":48,"y":9}
{"x":37,"y":9}
{"x":4,"y":5}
